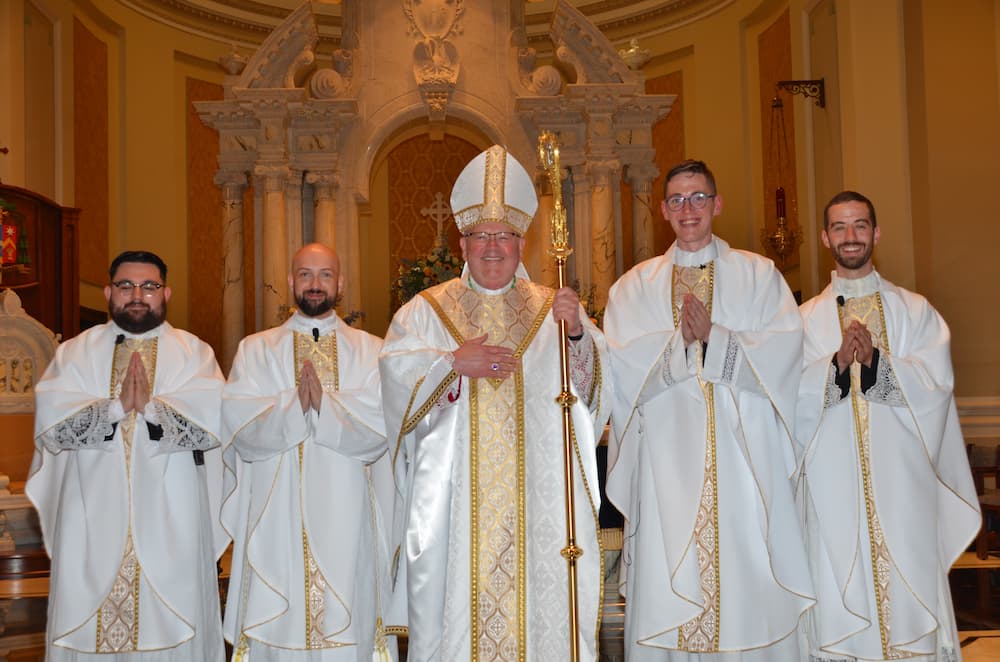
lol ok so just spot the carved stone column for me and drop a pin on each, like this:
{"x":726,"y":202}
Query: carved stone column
{"x":581,"y":260}
{"x":644,"y":217}
{"x":602,"y":227}
{"x":325,"y":213}
{"x":274,"y":270}
{"x":233,"y":285}
{"x":293,"y":213}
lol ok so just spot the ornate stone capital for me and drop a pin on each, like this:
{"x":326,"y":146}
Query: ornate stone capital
{"x":601,"y":170}
{"x":232,"y":182}
{"x":641,"y":175}
{"x":272,"y":177}
{"x":325,"y":182}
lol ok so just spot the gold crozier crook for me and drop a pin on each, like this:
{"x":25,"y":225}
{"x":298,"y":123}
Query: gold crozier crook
{"x":548,"y":152}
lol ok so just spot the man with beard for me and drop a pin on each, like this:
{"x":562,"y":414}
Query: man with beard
{"x":127,"y":481}
{"x":888,"y":495}
{"x":302,"y":425}
{"x":705,"y":352}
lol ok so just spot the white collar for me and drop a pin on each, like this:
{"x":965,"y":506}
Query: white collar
{"x":305,"y":324}
{"x":466,"y":276}
{"x":852,"y":288}
{"x":152,"y":333}
{"x":698,"y":258}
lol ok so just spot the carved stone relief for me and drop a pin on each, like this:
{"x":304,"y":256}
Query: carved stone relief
{"x":435,"y":58}
{"x":26,"y":347}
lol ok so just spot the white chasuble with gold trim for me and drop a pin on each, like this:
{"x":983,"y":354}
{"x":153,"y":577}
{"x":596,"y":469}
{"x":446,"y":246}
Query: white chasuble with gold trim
{"x":494,"y":586}
{"x":888,"y":494}
{"x":701,"y":460}
{"x":139,"y":581}
{"x":308,"y":550}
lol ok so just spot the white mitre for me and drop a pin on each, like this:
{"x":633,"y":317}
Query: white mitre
{"x":494,"y":188}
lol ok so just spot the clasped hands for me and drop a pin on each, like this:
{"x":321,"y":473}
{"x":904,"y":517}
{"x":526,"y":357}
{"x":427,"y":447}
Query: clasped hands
{"x":477,"y":359}
{"x":855,"y":346}
{"x":135,"y":386}
{"x":310,"y":388}
{"x":696,"y":323}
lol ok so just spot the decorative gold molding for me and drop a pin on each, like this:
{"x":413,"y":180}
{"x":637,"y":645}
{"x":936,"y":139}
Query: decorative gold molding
{"x":248,"y":24}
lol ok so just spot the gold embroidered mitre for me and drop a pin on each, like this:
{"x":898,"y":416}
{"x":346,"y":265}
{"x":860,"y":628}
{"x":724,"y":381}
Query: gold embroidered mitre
{"x":494,"y":188}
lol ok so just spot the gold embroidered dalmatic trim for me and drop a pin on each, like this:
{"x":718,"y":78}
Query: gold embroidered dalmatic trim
{"x":322,"y":354}
{"x":497,"y":513}
{"x":701,"y":633}
{"x":118,"y":615}
{"x":868,"y":311}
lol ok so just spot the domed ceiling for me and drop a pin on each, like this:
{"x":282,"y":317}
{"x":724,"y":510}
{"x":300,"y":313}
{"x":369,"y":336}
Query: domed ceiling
{"x":248,"y":22}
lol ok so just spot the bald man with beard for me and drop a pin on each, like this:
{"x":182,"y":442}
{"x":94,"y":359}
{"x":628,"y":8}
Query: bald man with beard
{"x":302,"y":425}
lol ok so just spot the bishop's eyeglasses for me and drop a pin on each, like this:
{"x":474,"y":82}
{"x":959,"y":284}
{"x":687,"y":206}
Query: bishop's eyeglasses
{"x":502,"y":237}
{"x":696,"y":200}
{"x":148,"y":287}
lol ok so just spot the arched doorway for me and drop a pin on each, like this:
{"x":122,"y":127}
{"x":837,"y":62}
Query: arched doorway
{"x":411,"y":168}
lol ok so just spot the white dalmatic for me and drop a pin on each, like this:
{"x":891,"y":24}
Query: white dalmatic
{"x":129,"y":504}
{"x":309,"y":560}
{"x":888,"y":493}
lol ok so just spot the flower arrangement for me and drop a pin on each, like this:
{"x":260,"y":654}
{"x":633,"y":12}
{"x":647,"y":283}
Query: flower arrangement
{"x":438,"y":266}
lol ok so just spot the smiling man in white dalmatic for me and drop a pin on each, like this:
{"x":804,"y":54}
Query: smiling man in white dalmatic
{"x":705,"y":345}
{"x":888,"y":494}
{"x":302,"y":429}
{"x":127,"y":481}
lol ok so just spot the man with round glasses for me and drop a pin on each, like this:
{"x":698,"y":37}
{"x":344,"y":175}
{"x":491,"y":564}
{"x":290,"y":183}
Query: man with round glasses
{"x":705,"y":345}
{"x":889,"y":499}
{"x":127,"y":481}
{"x":470,"y":372}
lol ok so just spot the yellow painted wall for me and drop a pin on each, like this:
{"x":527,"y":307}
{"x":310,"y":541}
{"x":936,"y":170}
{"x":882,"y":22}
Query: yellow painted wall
{"x":147,"y":62}
{"x":914,"y":107}
{"x":954,"y":106}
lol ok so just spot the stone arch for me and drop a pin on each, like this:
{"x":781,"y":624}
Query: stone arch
{"x":292,"y":119}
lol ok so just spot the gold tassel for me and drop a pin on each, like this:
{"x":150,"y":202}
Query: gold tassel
{"x":381,"y":652}
{"x":242,"y":653}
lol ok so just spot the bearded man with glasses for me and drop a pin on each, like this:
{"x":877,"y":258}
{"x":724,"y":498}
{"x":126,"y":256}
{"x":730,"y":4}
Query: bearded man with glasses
{"x":127,"y":481}
{"x":470,"y":373}
{"x":706,"y":344}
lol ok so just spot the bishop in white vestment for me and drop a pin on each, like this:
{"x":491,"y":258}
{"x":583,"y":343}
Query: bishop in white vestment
{"x":470,"y":374}
{"x":705,"y":345}
{"x":302,"y":425}
{"x":889,"y":496}
{"x":127,"y":481}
